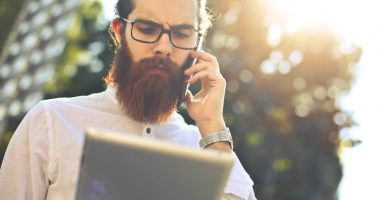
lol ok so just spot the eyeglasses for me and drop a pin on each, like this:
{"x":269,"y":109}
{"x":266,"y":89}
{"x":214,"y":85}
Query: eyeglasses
{"x":181,"y":36}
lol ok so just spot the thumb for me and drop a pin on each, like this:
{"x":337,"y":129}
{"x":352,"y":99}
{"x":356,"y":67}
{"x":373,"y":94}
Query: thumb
{"x":188,"y":97}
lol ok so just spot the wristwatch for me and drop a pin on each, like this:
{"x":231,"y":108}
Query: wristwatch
{"x":221,"y":136}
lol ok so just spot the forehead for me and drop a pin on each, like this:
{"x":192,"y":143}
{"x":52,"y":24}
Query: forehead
{"x":167,"y":12}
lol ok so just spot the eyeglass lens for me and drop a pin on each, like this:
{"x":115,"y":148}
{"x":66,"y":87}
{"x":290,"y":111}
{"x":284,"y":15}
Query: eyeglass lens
{"x":182,"y":37}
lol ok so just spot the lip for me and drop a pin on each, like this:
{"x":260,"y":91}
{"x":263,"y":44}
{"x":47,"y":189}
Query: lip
{"x":158,"y":71}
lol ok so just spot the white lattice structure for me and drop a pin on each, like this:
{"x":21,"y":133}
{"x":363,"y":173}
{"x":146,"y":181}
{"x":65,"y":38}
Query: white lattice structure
{"x":31,"y":52}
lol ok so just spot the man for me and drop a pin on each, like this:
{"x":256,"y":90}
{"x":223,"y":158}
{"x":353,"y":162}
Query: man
{"x":154,"y":38}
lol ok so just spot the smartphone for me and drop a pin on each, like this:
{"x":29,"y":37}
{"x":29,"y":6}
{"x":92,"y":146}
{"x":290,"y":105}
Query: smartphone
{"x":190,"y":61}
{"x":184,"y":85}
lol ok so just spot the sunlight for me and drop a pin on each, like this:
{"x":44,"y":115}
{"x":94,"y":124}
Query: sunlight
{"x":344,"y":17}
{"x":355,"y":21}
{"x":299,"y":13}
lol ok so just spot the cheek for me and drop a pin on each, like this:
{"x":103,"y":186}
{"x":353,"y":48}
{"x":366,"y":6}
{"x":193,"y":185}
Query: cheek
{"x":181,"y":58}
{"x":138,"y":51}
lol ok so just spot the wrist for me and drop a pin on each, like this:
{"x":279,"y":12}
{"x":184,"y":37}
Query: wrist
{"x":220,"y":146}
{"x":221,"y":140}
{"x":209,"y":127}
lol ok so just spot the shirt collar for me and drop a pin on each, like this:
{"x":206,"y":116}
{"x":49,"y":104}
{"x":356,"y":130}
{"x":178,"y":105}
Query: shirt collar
{"x":111,"y":95}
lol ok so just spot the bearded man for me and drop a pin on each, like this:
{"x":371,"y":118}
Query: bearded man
{"x":154,"y":39}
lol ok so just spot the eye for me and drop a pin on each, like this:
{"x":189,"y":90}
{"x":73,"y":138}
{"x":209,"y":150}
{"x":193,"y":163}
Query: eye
{"x":183,"y":33}
{"x":146,"y":28}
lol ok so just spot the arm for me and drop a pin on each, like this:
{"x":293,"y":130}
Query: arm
{"x":206,"y":108}
{"x":23,"y":173}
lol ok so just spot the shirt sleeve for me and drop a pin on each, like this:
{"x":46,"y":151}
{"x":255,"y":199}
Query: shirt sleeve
{"x":239,"y":185}
{"x":23,"y":174}
{"x":233,"y":197}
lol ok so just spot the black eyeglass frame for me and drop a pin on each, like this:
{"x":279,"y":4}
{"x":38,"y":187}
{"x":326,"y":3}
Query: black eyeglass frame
{"x":164,"y":30}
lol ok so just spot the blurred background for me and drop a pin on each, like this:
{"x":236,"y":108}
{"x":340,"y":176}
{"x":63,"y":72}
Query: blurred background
{"x":301,"y":83}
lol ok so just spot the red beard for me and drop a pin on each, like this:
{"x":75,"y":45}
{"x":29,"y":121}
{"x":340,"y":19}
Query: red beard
{"x":146,"y":90}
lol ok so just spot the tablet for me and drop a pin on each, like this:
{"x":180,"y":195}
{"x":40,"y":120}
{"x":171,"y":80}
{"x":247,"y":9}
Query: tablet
{"x":119,"y":166}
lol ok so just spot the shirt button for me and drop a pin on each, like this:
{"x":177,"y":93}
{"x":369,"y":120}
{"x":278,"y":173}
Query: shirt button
{"x":148,"y":130}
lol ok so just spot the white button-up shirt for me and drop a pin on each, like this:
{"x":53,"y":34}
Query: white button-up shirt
{"x":43,"y":156}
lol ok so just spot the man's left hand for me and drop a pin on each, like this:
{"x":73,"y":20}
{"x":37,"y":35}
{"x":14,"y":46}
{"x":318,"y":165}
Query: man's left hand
{"x":206,"y":107}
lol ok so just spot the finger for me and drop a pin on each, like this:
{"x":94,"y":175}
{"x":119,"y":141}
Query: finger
{"x":211,"y":76}
{"x":188,"y":96}
{"x":203,"y":56}
{"x":196,"y":68}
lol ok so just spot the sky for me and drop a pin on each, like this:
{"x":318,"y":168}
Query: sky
{"x":356,"y":21}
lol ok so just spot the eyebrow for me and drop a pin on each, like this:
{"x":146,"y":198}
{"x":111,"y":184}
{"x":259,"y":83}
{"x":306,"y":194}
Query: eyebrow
{"x":182,"y":25}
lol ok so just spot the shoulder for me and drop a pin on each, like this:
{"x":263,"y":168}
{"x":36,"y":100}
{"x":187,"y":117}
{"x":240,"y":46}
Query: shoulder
{"x":68,"y":104}
{"x":49,"y":111}
{"x":75,"y":101}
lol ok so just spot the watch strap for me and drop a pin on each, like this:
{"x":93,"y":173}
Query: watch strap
{"x":221,"y":136}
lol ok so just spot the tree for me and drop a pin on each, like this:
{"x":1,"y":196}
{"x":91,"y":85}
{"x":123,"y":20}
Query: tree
{"x":80,"y":69}
{"x":282,"y":92}
{"x":8,"y":10}
{"x":281,"y":103}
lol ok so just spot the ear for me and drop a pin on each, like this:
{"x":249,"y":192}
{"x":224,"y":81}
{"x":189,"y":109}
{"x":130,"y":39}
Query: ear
{"x":116,"y":25}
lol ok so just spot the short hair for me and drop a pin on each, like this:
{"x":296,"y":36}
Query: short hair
{"x":123,"y":8}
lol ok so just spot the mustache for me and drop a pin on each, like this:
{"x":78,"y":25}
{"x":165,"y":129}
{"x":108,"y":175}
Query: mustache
{"x":165,"y":64}
{"x":142,"y":95}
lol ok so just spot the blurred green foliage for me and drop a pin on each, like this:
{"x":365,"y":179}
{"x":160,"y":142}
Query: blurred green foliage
{"x":86,"y":57}
{"x":282,"y":99}
{"x":9,"y":10}
{"x":83,"y":63}
{"x":281,"y":102}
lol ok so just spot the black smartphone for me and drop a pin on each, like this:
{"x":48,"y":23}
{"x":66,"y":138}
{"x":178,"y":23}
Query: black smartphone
{"x":184,"y":85}
{"x":190,"y":61}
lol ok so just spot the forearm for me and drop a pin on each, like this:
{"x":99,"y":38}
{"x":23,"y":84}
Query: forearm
{"x":207,"y":128}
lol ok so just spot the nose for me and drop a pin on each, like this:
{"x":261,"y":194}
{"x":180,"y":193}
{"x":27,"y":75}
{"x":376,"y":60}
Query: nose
{"x":164,"y":46}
